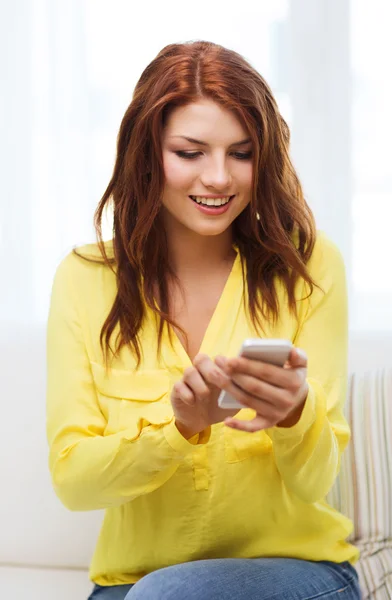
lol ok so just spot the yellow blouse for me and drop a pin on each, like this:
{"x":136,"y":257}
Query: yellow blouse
{"x":227,"y":493}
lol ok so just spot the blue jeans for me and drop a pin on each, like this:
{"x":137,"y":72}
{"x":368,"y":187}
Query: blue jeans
{"x":241,"y":579}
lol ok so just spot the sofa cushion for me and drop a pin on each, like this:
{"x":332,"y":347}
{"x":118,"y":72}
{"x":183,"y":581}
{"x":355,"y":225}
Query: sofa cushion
{"x":36,"y":529}
{"x":18,"y":583}
{"x":363,"y":490}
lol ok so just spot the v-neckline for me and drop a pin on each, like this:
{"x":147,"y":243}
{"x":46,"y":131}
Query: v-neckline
{"x":207,"y":344}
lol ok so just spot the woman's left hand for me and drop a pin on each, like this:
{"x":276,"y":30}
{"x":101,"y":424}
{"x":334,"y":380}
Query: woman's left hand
{"x":277,"y":394}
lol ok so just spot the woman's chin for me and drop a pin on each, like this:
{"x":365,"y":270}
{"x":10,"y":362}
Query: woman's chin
{"x":210,"y":229}
{"x":198,"y":224}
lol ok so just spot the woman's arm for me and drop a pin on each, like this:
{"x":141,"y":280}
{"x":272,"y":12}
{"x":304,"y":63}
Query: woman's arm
{"x":308,"y":453}
{"x":301,"y":406}
{"x":90,"y":470}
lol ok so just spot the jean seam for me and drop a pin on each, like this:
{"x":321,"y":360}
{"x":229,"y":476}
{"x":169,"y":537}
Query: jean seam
{"x":326,"y":594}
{"x":348,"y":577}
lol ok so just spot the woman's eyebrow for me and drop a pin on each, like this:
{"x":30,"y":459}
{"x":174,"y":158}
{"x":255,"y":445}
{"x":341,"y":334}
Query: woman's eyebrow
{"x":201,"y":143}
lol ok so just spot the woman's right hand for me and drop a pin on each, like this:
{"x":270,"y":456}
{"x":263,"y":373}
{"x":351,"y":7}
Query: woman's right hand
{"x":195,"y":397}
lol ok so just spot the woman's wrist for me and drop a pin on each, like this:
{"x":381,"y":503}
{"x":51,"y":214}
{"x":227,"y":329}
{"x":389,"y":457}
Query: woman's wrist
{"x":293,"y":417}
{"x":185,"y":431}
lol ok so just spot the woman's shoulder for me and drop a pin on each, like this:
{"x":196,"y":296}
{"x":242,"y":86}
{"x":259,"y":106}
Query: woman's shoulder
{"x":326,"y":263}
{"x":85,"y":262}
{"x":93,"y":252}
{"x":325,"y":250}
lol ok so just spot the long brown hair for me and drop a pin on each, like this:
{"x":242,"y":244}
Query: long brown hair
{"x":275,"y":234}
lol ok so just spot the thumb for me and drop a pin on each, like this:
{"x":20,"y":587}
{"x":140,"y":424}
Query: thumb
{"x":297,"y":358}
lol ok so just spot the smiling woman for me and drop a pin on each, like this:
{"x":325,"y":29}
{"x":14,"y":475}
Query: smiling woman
{"x":213,"y":243}
{"x":210,"y":172}
{"x":202,"y":108}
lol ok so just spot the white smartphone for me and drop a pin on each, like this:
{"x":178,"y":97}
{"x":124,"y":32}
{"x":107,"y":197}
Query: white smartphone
{"x":275,"y":352}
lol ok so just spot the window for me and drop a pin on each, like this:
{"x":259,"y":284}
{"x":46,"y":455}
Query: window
{"x":371,"y":48}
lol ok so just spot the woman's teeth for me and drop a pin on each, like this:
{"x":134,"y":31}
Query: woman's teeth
{"x":211,"y":201}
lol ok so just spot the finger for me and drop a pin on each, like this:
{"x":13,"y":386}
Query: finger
{"x":255,"y":368}
{"x":210,"y":372}
{"x":267,"y":409}
{"x":196,"y":383}
{"x":260,"y":390}
{"x":183,"y":393}
{"x":223,"y":363}
{"x":264,"y":409}
{"x":298,"y":358}
{"x":256,"y":424}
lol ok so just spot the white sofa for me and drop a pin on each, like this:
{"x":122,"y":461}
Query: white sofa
{"x":45,"y":549}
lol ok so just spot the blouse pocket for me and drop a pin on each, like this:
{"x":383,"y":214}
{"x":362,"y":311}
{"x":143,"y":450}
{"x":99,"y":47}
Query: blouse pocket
{"x":241,"y":445}
{"x":132,"y":400}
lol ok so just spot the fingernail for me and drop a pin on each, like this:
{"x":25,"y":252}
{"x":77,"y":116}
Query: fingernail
{"x":220,"y":361}
{"x":301,"y":353}
{"x":219,"y":377}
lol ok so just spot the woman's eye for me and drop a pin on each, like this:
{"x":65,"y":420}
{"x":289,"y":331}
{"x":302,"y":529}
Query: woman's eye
{"x":243,"y":155}
{"x":188,"y":155}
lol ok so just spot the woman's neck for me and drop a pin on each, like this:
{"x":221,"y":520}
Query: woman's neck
{"x":191,"y":253}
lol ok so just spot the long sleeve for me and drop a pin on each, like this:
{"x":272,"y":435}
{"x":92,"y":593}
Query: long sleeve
{"x":308,"y":454}
{"x":91,"y":470}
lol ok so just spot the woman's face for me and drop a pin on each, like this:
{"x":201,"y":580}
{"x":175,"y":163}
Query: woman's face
{"x":207,"y":159}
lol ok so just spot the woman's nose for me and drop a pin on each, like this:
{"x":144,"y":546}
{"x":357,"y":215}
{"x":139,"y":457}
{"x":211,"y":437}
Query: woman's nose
{"x":217,"y":175}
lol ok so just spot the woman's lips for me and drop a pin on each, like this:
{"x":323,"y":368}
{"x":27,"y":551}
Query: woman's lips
{"x":213,"y":210}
